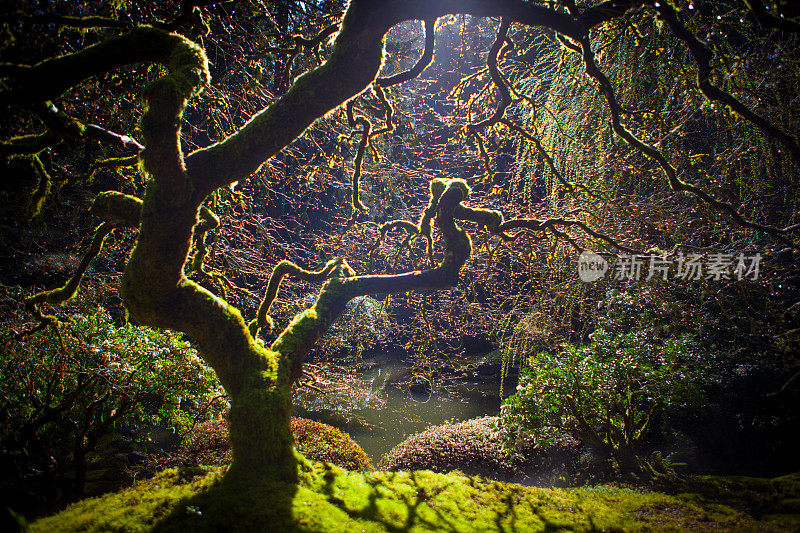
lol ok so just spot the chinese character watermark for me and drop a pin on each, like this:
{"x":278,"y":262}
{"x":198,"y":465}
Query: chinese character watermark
{"x":691,"y":267}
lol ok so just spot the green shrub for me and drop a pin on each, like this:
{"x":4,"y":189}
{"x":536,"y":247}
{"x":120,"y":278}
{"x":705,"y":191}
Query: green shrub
{"x":208,"y":445}
{"x":475,"y":448}
{"x":73,"y":392}
{"x":613,"y":393}
{"x":322,"y":442}
{"x":471,"y":446}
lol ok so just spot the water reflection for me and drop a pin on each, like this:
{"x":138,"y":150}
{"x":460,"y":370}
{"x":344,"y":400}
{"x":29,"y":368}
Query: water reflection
{"x":395,"y":411}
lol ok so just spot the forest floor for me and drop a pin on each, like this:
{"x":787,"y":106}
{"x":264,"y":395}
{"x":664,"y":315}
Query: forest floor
{"x":333,"y":500}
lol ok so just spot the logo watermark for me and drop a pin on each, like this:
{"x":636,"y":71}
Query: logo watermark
{"x":691,"y":267}
{"x":591,"y":266}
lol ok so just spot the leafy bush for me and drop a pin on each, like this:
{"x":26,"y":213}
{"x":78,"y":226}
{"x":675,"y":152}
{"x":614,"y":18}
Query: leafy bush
{"x":471,"y":446}
{"x":612,"y":393}
{"x":322,"y":442}
{"x":475,"y":448}
{"x":208,"y":445}
{"x":67,"y":392}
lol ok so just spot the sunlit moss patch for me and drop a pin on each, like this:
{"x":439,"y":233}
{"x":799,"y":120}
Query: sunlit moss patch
{"x":337,"y":500}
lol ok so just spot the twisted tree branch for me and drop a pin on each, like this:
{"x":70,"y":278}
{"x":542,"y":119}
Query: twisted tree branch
{"x":653,"y":153}
{"x":702,"y":56}
{"x":425,"y":59}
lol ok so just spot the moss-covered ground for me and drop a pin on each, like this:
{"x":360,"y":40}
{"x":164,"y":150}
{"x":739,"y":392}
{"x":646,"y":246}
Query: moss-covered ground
{"x":337,"y":500}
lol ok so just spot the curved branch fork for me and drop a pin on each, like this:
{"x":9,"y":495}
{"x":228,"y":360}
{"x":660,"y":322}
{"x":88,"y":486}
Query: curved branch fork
{"x":342,"y":285}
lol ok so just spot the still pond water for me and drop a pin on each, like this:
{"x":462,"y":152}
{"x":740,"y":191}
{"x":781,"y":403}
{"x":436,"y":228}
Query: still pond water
{"x":402,"y":413}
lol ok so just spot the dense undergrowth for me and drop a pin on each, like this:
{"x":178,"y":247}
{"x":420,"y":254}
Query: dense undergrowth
{"x":82,"y":402}
{"x":195,"y":499}
{"x":659,"y":384}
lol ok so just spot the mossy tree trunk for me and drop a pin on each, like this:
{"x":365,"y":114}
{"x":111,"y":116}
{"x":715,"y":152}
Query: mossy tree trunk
{"x":258,"y":378}
{"x":154,"y":288}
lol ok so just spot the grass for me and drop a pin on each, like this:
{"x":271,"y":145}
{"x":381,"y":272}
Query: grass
{"x":195,"y":499}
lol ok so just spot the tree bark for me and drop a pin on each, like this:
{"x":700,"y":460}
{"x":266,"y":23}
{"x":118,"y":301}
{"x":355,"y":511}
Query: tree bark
{"x":154,"y":288}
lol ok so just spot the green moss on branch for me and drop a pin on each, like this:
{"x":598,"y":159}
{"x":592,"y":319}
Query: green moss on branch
{"x":208,"y":221}
{"x":61,"y":294}
{"x":42,"y":190}
{"x":281,"y":270}
{"x":28,"y":144}
{"x":50,"y":78}
{"x":118,"y":209}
